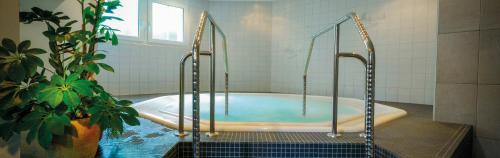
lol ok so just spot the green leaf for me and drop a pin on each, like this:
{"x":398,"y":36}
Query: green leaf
{"x":3,"y":51}
{"x":95,"y":118}
{"x":64,"y":120}
{"x":52,"y":95}
{"x":7,"y":100}
{"x":87,"y":57}
{"x":98,"y":57}
{"x":23,"y":46}
{"x":6,"y":131}
{"x":56,"y":100}
{"x":35,"y":115}
{"x":70,"y":23}
{"x":30,"y":67}
{"x":104,"y":122}
{"x":94,"y":109}
{"x":71,"y":99}
{"x":55,"y":125}
{"x":116,"y":123}
{"x":73,"y":77}
{"x":111,"y":18}
{"x":63,"y":29}
{"x":64,"y":17}
{"x":124,"y":102}
{"x":92,"y":68}
{"x":44,"y":136}
{"x":34,"y":60}
{"x":130,"y":120}
{"x":35,"y":51}
{"x":130,"y":111}
{"x":16,"y":71}
{"x":57,"y":80}
{"x":114,"y":39}
{"x":50,"y":28}
{"x":50,"y":35}
{"x":107,"y":35}
{"x":106,"y":67}
{"x":83,"y":87}
{"x":9,"y":44}
{"x":32,"y":134}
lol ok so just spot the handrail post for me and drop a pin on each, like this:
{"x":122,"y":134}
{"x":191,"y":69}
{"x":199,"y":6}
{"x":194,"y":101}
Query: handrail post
{"x":196,"y":84}
{"x":212,"y":132}
{"x":370,"y":78}
{"x":304,"y":93}
{"x":304,"y":90}
{"x":226,"y":94}
{"x":335,"y":94}
{"x":196,"y":75}
{"x":370,"y":105}
{"x":181,"y":132}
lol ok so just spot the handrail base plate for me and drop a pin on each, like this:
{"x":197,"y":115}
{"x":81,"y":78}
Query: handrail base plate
{"x":210,"y":135}
{"x":334,"y":135}
{"x":181,"y":135}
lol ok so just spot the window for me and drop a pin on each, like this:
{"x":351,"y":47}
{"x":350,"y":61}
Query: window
{"x":167,"y":22}
{"x":155,"y":21}
{"x":129,"y":12}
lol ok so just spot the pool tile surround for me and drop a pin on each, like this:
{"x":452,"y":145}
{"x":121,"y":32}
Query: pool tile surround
{"x":277,"y":144}
{"x":413,"y":136}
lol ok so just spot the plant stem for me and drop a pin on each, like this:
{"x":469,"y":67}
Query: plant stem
{"x":98,"y":14}
{"x":95,"y":27}
{"x":84,"y":28}
{"x":49,"y":70}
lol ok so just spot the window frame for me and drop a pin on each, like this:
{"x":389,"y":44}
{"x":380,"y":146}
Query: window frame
{"x":140,"y":33}
{"x":145,"y":32}
{"x":150,"y":21}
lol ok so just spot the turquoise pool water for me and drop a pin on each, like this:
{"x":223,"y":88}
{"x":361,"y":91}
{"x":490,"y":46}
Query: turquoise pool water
{"x":257,"y":107}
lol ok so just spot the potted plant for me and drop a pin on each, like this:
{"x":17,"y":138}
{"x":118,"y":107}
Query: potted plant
{"x":62,"y":107}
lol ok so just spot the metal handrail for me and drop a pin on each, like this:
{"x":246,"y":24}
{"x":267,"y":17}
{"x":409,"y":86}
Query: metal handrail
{"x":196,"y":76}
{"x":364,"y":36}
{"x":370,"y":76}
{"x":181,"y":132}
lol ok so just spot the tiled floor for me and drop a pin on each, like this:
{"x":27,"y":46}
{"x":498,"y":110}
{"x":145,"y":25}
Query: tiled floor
{"x":417,"y":135}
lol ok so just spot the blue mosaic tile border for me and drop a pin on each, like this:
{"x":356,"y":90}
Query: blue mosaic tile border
{"x":173,"y":152}
{"x":277,"y":145}
{"x":280,"y":137}
{"x":275,"y":150}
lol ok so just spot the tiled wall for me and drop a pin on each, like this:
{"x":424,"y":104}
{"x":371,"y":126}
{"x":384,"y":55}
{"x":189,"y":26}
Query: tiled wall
{"x":267,"y":50}
{"x":468,"y":74}
{"x":145,"y":68}
{"x":148,"y":69}
{"x":403,"y":31}
{"x":247,"y":26}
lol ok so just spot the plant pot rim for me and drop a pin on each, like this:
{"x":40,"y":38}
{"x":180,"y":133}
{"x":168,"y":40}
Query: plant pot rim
{"x":83,"y":118}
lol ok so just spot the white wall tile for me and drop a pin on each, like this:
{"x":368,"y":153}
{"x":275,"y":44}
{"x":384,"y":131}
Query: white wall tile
{"x":404,"y":35}
{"x":267,"y":50}
{"x":145,"y":68}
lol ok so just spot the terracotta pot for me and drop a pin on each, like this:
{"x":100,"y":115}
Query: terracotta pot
{"x":82,"y":143}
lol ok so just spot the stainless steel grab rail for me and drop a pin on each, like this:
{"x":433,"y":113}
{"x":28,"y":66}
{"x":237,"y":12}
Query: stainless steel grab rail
{"x":181,"y":132}
{"x":196,"y":75}
{"x":370,"y":77}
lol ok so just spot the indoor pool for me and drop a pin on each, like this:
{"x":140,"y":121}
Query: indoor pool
{"x":266,"y":112}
